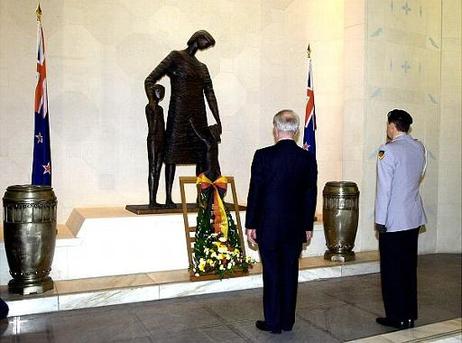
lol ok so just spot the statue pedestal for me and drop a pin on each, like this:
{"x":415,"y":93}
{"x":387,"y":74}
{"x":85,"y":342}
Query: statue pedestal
{"x":108,"y":241}
{"x":115,"y":241}
{"x":177,"y":208}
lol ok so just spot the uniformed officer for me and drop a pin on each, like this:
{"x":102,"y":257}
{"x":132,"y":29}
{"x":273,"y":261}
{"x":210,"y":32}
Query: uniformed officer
{"x":399,"y":213}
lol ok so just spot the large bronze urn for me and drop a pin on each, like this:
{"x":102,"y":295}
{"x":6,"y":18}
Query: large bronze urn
{"x":29,"y":226}
{"x":340,"y":216}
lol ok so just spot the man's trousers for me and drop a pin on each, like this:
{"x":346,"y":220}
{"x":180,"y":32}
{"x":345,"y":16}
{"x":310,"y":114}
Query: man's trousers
{"x":398,"y":270}
{"x":280,"y":281}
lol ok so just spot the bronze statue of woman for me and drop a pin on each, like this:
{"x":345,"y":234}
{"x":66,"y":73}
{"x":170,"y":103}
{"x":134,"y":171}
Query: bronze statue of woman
{"x":188,"y":138}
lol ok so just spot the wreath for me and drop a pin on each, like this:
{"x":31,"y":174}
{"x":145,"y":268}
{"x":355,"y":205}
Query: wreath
{"x":217,"y":247}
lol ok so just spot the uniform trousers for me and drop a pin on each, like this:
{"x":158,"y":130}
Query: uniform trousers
{"x":280,"y":282}
{"x":398,"y":271}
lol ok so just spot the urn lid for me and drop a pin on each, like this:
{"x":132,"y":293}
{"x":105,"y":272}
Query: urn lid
{"x":340,"y":188}
{"x":29,"y":193}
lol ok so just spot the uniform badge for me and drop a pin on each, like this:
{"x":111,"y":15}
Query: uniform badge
{"x":381,"y":154}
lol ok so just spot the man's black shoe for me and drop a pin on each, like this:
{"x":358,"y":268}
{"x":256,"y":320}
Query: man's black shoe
{"x":261,"y":325}
{"x":400,"y":325}
{"x":411,"y":323}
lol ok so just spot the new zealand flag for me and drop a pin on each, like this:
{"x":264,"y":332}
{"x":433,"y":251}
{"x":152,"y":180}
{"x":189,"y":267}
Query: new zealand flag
{"x":41,"y":165}
{"x":309,"y":138}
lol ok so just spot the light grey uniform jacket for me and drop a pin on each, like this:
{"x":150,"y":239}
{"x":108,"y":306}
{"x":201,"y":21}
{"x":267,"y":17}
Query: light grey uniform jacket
{"x":400,"y":167}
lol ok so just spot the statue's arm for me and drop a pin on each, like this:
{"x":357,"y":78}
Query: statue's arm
{"x":158,"y":114}
{"x":159,"y":72}
{"x":210,"y":96}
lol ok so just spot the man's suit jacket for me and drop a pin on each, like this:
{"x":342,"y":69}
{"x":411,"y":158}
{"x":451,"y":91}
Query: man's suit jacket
{"x":282,"y":195}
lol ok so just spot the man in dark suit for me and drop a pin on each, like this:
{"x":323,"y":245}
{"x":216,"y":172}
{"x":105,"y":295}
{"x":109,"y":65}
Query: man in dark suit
{"x":3,"y":309}
{"x":280,"y":212}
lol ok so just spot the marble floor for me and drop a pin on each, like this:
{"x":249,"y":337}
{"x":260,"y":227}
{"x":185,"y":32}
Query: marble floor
{"x":448,"y":331}
{"x":331,"y":310}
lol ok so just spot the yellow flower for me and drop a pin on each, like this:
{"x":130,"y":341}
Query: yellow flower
{"x":202,"y":265}
{"x":222,"y":239}
{"x":221,"y":256}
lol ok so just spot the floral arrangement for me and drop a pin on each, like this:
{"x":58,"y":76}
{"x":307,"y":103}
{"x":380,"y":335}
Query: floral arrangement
{"x":217,"y":248}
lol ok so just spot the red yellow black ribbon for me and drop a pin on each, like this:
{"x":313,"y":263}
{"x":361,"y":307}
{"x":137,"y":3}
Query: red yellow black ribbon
{"x":220,"y":221}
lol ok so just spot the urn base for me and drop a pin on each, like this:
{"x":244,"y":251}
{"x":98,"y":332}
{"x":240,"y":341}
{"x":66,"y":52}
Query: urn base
{"x":336,"y":256}
{"x":30,"y":286}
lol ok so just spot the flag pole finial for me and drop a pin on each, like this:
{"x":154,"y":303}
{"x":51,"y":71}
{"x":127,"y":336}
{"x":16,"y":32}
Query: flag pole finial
{"x":308,"y":51}
{"x":38,"y":12}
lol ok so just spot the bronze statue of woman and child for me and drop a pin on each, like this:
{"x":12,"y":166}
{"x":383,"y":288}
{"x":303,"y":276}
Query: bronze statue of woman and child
{"x":187,"y":139}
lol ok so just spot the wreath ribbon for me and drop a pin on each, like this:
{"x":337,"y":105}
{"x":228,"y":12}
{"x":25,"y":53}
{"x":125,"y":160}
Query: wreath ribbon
{"x":220,"y":221}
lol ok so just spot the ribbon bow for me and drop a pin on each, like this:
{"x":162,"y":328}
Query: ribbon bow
{"x":220,"y":221}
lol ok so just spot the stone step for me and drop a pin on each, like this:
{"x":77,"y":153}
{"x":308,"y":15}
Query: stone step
{"x":120,"y":289}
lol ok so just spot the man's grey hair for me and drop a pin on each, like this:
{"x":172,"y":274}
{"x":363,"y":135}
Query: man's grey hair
{"x":286,"y":121}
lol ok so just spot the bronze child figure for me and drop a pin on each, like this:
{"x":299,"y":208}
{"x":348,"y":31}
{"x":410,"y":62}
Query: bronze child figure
{"x":155,"y":141}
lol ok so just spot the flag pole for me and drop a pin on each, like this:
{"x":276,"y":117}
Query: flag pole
{"x":38,"y":12}
{"x":309,"y":142}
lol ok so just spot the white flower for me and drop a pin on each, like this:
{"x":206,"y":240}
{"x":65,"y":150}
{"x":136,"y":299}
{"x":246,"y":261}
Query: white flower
{"x":222,"y":248}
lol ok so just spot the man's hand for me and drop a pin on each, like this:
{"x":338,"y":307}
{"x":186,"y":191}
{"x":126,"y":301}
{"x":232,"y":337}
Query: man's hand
{"x":251,"y":235}
{"x":380,"y":228}
{"x":309,"y":235}
{"x":219,"y":128}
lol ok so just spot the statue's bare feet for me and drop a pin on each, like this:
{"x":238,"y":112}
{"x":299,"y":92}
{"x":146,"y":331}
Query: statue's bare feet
{"x":155,"y":205}
{"x":170,"y":204}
